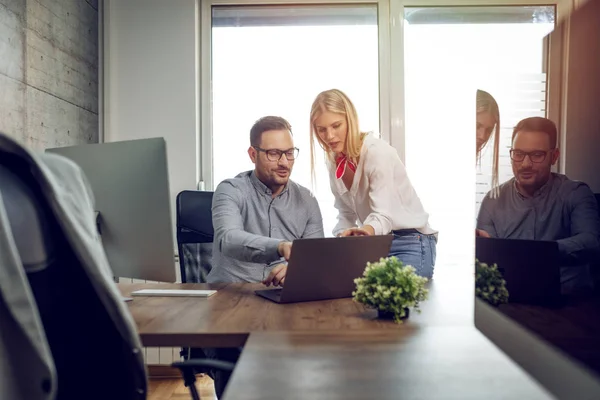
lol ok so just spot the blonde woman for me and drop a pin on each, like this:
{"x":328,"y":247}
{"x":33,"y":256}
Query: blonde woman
{"x":373,"y":194}
{"x":488,"y":125}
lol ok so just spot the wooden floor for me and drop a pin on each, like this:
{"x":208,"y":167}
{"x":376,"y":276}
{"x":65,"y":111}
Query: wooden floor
{"x":173,"y":389}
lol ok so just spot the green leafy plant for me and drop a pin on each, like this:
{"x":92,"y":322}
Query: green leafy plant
{"x":390,"y":287}
{"x":489,"y":283}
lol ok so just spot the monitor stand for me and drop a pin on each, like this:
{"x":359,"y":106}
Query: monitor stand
{"x":116,"y":279}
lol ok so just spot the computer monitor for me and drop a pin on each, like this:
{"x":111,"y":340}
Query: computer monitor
{"x":130,"y":183}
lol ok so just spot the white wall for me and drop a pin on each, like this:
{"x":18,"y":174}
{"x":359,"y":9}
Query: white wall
{"x":150,"y":79}
{"x":150,"y":85}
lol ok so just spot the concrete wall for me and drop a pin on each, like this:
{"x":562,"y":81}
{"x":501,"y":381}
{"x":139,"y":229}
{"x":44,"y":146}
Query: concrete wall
{"x":49,"y":71}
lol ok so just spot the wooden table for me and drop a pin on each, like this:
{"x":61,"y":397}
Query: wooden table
{"x":411,"y":363}
{"x":228,"y":317}
{"x":560,"y":374}
{"x":325,"y":349}
{"x":574,"y":328}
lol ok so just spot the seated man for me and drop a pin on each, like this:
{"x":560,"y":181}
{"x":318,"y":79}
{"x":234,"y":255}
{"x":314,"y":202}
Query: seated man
{"x":540,"y":205}
{"x":257,"y":215}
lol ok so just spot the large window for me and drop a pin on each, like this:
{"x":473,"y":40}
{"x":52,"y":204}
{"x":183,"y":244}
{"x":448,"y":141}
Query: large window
{"x":274,"y":60}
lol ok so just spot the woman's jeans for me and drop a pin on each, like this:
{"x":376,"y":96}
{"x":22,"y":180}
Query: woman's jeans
{"x":416,"y":249}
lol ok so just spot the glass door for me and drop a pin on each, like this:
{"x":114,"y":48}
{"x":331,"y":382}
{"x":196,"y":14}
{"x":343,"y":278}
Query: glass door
{"x":448,"y":50}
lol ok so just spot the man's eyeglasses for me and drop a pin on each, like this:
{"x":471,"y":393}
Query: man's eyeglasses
{"x":275,"y":155}
{"x":534,"y":156}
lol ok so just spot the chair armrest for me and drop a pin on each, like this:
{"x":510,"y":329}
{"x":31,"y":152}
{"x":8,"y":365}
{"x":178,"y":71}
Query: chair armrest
{"x":195,"y":364}
{"x":188,"y":371}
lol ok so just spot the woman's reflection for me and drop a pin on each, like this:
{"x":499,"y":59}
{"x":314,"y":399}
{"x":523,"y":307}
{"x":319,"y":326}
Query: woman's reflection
{"x":488,"y":125}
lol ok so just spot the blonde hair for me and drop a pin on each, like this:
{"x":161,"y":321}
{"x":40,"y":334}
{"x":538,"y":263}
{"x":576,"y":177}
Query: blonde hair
{"x":337,"y":102}
{"x":487,"y":103}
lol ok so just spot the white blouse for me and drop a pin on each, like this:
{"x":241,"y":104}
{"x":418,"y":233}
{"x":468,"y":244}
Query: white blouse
{"x":381,"y":194}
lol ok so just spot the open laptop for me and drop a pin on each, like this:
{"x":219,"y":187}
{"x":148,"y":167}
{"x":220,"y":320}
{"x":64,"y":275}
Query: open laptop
{"x":530,"y":268}
{"x":325,"y":268}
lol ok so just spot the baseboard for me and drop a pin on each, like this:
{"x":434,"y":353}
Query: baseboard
{"x":163,"y":372}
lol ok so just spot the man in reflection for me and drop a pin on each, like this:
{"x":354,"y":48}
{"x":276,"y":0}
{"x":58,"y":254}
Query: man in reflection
{"x":540,"y":205}
{"x":257,"y":215}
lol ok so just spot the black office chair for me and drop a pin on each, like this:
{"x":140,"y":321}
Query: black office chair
{"x":194,"y":234}
{"x":595,"y":267}
{"x":80,"y":326}
{"x":83,"y":337}
{"x":194,"y":242}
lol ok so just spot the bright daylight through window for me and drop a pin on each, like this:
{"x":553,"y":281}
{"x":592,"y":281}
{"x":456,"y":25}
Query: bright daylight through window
{"x":274,"y":61}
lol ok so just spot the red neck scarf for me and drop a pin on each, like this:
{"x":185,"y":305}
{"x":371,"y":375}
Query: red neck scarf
{"x":341,"y":163}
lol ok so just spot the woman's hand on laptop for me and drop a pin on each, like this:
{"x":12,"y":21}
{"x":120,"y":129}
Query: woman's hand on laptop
{"x":366,"y":230}
{"x":482,"y":233}
{"x":276,"y":276}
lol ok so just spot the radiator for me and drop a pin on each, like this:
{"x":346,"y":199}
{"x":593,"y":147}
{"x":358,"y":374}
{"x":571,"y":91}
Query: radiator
{"x":157,"y":355}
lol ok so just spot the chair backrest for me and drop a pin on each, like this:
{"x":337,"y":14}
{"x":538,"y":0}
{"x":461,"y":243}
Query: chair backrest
{"x":86,"y":344}
{"x":595,"y":268}
{"x":194,"y":234}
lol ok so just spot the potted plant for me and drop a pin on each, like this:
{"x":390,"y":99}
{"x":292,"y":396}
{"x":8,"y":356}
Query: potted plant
{"x":490,"y":286}
{"x":390,"y":287}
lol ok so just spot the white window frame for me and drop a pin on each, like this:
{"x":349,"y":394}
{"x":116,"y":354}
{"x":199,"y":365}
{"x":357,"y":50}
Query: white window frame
{"x":391,"y":58}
